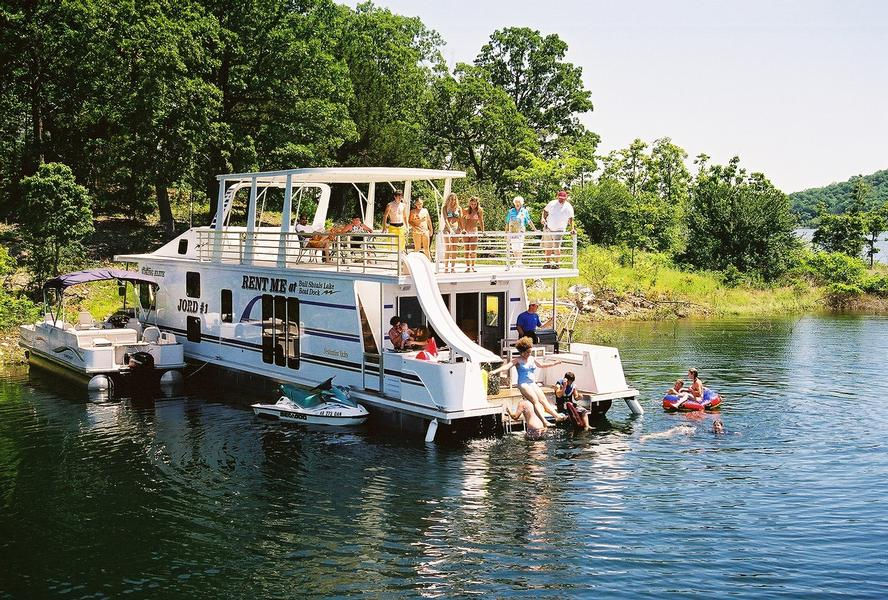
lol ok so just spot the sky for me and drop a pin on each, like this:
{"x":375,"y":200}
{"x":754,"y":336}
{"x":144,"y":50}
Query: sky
{"x":797,"y":89}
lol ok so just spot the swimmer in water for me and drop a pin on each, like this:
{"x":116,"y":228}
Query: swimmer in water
{"x":669,"y":433}
{"x":534,"y":425}
{"x":718,"y":427}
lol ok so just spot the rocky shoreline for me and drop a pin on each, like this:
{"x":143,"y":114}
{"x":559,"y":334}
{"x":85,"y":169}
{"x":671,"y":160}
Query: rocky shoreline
{"x":608,"y":304}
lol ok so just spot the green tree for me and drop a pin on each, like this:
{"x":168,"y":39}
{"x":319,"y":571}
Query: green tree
{"x":841,"y":233}
{"x":55,"y":217}
{"x":545,"y":88}
{"x":42,"y":52}
{"x":669,"y":178}
{"x":875,"y":224}
{"x":284,"y":94}
{"x":656,"y":183}
{"x":391,"y":61}
{"x":478,"y":126}
{"x":611,"y":215}
{"x":538,"y":179}
{"x":738,"y":219}
{"x":152,"y":94}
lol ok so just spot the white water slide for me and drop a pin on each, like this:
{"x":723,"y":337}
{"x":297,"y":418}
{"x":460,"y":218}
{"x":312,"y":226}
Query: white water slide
{"x":438,"y":315}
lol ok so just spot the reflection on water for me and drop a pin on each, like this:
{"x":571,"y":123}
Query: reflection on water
{"x":192,"y":496}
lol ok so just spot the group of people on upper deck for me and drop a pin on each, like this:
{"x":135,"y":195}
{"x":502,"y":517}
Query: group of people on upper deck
{"x":461,"y":226}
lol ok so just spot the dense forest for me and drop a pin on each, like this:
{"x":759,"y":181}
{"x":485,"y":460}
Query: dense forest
{"x":132,"y":108}
{"x":838,"y":198}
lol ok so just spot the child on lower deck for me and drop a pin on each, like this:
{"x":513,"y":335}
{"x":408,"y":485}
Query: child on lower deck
{"x":567,"y":393}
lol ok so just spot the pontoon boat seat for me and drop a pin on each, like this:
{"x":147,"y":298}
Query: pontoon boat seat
{"x":85,"y":321}
{"x":134,"y":324}
{"x":151,"y":335}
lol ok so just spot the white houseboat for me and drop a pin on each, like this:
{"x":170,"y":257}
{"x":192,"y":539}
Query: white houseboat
{"x":250,"y":293}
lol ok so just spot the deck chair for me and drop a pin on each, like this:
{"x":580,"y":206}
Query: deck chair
{"x":85,"y":321}
{"x":135,"y":325}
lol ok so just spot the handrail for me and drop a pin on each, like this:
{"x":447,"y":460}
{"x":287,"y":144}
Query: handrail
{"x":531,"y":249}
{"x":378,"y":253}
{"x":353,"y":252}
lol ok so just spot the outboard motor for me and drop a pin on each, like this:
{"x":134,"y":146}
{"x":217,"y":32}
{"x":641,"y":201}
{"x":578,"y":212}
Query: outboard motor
{"x":139,"y":362}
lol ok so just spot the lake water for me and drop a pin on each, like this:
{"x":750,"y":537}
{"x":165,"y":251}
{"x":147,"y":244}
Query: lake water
{"x":881,"y":245}
{"x":194,"y":497}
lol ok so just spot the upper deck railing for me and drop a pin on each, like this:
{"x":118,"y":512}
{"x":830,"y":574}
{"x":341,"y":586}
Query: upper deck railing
{"x":357,"y":252}
{"x":530,"y":250}
{"x":377,"y":253}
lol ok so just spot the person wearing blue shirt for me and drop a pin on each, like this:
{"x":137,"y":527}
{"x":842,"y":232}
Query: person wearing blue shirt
{"x":528,"y":321}
{"x":517,"y":221}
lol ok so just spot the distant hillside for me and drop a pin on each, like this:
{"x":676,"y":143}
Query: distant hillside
{"x":837,"y":196}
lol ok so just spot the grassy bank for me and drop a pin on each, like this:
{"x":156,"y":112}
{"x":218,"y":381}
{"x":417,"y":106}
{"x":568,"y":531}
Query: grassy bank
{"x":655,"y":288}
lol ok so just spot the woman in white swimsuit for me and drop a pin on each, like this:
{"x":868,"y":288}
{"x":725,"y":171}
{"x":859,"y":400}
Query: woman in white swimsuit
{"x":453,"y":225}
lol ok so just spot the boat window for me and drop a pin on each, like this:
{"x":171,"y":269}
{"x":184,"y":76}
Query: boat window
{"x":146,"y":296}
{"x":267,"y":328}
{"x":410,"y":311}
{"x":227,"y":311}
{"x":193,"y":329}
{"x":280,"y":332}
{"x":293,"y":333}
{"x":183,"y":247}
{"x":491,"y":310}
{"x":192,"y":284}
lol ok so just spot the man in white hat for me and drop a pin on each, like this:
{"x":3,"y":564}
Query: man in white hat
{"x":558,"y":217}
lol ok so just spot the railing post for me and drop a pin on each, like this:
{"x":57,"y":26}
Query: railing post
{"x":337,"y":251}
{"x":575,"y":257}
{"x":220,"y":221}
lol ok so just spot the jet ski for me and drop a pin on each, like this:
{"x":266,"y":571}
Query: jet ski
{"x":325,"y":404}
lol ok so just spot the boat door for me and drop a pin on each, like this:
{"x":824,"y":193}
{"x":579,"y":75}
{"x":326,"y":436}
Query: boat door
{"x":493,"y":320}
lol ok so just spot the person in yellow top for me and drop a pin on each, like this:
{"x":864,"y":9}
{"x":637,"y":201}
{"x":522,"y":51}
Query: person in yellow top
{"x":395,"y":218}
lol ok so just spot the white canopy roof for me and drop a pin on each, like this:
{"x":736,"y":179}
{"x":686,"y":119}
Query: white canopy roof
{"x":348,"y":175}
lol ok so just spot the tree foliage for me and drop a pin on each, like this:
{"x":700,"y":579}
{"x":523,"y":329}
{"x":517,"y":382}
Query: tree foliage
{"x":478,"y":124}
{"x":55,"y":217}
{"x":638,"y":200}
{"x":837,"y":198}
{"x":391,"y":62}
{"x":737,"y":219}
{"x":841,"y":233}
{"x":538,"y":179}
{"x":546,"y":89}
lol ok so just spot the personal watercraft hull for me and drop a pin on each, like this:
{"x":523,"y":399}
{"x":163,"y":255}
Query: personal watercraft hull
{"x":324,"y":414}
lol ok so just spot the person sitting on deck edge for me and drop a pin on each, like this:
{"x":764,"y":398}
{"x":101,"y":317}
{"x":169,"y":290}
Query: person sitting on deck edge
{"x":566,"y":400}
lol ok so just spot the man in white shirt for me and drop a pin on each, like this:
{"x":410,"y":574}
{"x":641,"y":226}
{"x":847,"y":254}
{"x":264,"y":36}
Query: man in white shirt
{"x":303,"y":227}
{"x":558,"y":217}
